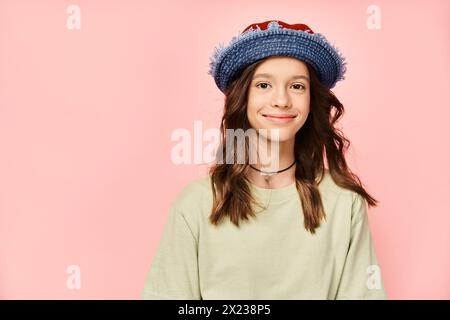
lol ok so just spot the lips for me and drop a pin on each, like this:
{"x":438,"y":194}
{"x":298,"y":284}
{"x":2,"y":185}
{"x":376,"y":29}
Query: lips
{"x":279,"y":116}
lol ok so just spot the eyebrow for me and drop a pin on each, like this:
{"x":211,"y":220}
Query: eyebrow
{"x":267,"y":75}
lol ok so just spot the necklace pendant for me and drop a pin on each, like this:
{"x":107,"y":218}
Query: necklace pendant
{"x":267,"y":176}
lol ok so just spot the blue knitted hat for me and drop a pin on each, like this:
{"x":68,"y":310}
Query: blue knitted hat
{"x":277,"y":38}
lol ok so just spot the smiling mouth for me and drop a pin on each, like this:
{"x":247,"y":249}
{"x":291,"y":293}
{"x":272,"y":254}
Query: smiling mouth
{"x":279,"y":119}
{"x":278,"y":116}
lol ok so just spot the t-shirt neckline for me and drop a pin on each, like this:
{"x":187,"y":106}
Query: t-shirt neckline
{"x":275,"y":195}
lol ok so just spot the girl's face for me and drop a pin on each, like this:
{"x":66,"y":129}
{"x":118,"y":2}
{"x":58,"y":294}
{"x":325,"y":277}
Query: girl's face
{"x":279,"y":96}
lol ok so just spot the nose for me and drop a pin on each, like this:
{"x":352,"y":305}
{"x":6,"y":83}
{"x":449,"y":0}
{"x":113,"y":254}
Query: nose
{"x":280,"y":99}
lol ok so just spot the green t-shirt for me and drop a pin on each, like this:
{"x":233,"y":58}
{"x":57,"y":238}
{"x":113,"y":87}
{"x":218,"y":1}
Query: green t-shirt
{"x":268,"y":257}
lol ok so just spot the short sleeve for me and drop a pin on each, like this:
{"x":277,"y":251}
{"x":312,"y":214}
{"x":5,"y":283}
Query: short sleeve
{"x":361,"y":277}
{"x":173,"y":274}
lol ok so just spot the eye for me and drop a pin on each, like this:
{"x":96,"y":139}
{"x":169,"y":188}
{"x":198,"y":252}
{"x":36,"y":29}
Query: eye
{"x":260,"y":84}
{"x":299,"y":84}
{"x":302,"y":87}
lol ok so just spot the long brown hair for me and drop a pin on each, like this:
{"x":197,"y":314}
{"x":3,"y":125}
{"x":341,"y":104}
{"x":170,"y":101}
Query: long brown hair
{"x":316,"y":138}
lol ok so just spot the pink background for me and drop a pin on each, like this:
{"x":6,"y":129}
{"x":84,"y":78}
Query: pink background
{"x":86,"y":117}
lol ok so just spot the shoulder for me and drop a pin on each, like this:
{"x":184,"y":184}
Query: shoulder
{"x":329,"y":187}
{"x":193,"y":192}
{"x":332,"y":192}
{"x":194,"y":201}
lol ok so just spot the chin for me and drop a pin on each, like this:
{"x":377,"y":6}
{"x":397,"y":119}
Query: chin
{"x":283,"y":136}
{"x":283,"y":139}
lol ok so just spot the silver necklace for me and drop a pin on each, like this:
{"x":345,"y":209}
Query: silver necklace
{"x":268,"y":174}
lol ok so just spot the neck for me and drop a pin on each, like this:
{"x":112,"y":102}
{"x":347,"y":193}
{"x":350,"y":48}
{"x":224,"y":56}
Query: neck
{"x":285,"y":157}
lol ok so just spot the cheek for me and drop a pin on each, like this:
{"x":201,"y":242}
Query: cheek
{"x":253,"y":105}
{"x":251,"y":115}
{"x":305,"y":104}
{"x":256,"y":99}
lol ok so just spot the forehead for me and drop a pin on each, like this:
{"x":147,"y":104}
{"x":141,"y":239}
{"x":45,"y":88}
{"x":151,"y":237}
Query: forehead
{"x":280,"y":66}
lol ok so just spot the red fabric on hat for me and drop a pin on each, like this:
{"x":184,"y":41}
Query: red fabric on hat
{"x":264,"y":25}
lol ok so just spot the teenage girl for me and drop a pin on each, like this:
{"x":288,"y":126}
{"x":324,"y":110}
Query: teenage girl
{"x":281,"y":224}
